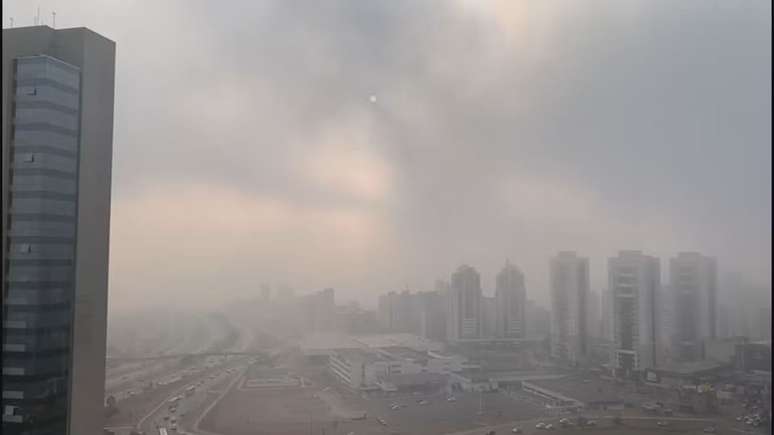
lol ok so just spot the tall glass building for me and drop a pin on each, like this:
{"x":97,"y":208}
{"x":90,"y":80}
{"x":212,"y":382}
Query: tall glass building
{"x":57,"y":152}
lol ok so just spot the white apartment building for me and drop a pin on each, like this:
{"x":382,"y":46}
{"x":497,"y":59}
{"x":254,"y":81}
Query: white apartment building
{"x":464,"y":305}
{"x":693,"y":284}
{"x":569,"y":277}
{"x":634,"y":282}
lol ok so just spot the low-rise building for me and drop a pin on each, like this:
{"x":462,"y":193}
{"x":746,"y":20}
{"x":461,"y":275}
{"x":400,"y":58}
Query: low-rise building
{"x":373,"y":368}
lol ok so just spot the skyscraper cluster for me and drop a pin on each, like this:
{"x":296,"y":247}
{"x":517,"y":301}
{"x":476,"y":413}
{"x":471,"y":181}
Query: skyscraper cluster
{"x":637,"y":321}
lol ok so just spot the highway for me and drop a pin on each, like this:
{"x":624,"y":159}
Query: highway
{"x":146,"y":410}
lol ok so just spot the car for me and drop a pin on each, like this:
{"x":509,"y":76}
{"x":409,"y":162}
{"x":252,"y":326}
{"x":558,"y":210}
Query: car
{"x":423,"y":402}
{"x":549,"y":426}
{"x":540,"y":425}
{"x":381,"y":421}
{"x":662,"y":423}
{"x":516,"y":430}
{"x":451,"y":399}
{"x":591,"y":423}
{"x":709,"y":429}
{"x":740,"y":418}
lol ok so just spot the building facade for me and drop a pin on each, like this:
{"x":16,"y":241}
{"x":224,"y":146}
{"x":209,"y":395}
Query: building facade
{"x":57,"y":140}
{"x":464,"y":305}
{"x":634,"y":281}
{"x":569,"y":277}
{"x":693,"y":292}
{"x":511,"y":303}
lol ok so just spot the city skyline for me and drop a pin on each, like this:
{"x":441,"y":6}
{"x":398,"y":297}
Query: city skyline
{"x":407,"y":216}
{"x":450,"y":163}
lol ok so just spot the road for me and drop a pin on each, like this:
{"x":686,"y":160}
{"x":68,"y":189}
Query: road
{"x":190,"y":409}
{"x":147,"y":410}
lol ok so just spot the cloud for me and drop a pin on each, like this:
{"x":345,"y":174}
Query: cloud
{"x":245,"y":139}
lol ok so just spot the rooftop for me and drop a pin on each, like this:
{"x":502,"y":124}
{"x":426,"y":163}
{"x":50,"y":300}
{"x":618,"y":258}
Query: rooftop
{"x":366,"y":356}
{"x":407,"y":380}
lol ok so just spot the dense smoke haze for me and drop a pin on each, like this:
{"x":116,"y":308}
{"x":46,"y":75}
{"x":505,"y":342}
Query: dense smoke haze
{"x":248,"y":148}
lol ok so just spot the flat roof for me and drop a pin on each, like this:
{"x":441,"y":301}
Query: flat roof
{"x":406,"y":380}
{"x":406,"y":353}
{"x":361,"y":355}
{"x":331,"y":341}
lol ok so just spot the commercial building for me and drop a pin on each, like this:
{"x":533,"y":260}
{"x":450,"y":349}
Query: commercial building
{"x":634,"y":280}
{"x":386,"y":367}
{"x":693,"y":285}
{"x":569,"y":276}
{"x":463,"y":319}
{"x":57,"y":141}
{"x":510,"y":303}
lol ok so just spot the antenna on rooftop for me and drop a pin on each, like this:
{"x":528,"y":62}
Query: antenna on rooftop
{"x":37,"y":16}
{"x":53,"y":19}
{"x":12,"y":22}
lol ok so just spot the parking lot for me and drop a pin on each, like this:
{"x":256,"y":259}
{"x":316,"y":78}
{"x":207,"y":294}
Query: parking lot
{"x":324,"y":406}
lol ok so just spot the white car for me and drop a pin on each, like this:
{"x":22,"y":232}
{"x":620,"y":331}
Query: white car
{"x":516,"y":430}
{"x":451,"y":399}
{"x":549,"y":426}
{"x":540,"y":425}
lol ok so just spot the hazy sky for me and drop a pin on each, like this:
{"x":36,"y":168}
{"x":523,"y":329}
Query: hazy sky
{"x":247,"y":149}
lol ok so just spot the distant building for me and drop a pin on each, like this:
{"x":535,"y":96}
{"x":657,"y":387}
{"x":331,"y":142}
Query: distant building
{"x":594,"y":315}
{"x":538,"y":320}
{"x":432,"y":315}
{"x":510,"y":303}
{"x":754,"y":356}
{"x":723,"y":350}
{"x":488,"y":316}
{"x":464,"y":305}
{"x":634,"y":280}
{"x":569,"y":275}
{"x":693,"y":285}
{"x":607,"y":315}
{"x":319,"y":311}
{"x":387,"y":311}
{"x":404,"y":311}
